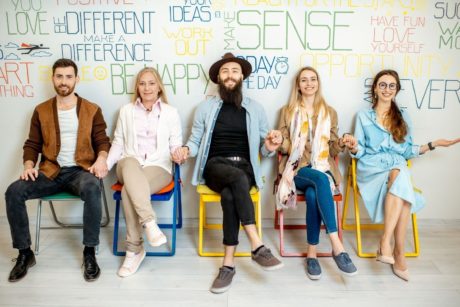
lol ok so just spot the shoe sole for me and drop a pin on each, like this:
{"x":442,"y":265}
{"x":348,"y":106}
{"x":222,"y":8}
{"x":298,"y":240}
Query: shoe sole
{"x":220,"y":290}
{"x":314,"y":277}
{"x":160,"y":242}
{"x":27,"y":269}
{"x":349,"y":274}
{"x":140,"y":262}
{"x":92,"y":279}
{"x":272,"y":268}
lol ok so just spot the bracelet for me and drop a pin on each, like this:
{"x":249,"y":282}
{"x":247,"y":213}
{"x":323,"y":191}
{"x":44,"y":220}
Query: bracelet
{"x":430,"y":146}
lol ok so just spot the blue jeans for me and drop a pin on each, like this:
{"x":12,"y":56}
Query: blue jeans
{"x":74,"y":180}
{"x":320,"y":204}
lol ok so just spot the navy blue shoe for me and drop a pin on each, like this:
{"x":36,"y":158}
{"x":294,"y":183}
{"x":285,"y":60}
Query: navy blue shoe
{"x":313,"y":268}
{"x":345,"y":264}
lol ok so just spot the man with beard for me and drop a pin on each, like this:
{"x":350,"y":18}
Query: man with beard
{"x":227,"y":135}
{"x":69,"y":133}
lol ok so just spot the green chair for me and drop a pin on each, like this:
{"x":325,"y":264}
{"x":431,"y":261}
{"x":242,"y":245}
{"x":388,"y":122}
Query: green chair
{"x":64,"y":196}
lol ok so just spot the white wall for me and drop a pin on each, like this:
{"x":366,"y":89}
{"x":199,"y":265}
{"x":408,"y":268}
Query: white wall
{"x":342,"y":39}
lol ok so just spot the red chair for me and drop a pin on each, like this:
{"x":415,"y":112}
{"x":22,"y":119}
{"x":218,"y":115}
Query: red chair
{"x":279,"y":224}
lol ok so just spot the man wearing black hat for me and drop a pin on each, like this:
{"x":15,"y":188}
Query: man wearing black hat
{"x":227,"y":136}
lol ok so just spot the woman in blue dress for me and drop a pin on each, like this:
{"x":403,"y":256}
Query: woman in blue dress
{"x":383,"y":132}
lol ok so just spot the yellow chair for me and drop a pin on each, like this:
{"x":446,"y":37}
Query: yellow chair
{"x":358,"y":226}
{"x":209,"y":196}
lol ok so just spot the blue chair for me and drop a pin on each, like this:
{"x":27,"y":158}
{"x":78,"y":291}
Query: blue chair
{"x":173,"y":189}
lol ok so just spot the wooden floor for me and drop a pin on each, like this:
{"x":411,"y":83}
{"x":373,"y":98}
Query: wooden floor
{"x":184,"y":280}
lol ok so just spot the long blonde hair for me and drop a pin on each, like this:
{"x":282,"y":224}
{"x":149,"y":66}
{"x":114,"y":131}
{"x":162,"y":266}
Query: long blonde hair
{"x":295,"y":99}
{"x":161,"y":94}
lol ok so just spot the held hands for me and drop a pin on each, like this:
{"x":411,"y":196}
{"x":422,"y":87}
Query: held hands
{"x":273,"y":140}
{"x":180,"y":155}
{"x":99,"y":168}
{"x":349,"y":141}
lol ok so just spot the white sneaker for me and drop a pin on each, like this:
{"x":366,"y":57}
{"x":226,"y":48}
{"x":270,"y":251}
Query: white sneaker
{"x":154,"y":234}
{"x":131,"y":263}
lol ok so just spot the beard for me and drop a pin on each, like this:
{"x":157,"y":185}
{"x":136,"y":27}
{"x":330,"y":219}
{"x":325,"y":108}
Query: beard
{"x":231,"y":95}
{"x":64,"y":90}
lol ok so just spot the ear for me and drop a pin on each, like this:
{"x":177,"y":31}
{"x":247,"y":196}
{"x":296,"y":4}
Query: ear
{"x":77,"y":79}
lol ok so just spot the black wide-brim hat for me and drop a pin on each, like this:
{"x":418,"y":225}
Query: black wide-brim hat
{"x":246,"y":67}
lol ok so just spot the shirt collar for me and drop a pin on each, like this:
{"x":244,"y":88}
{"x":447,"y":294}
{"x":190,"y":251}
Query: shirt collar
{"x":157,"y":104}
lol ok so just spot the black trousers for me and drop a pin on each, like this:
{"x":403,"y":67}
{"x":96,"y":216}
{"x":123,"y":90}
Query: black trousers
{"x":71,"y":179}
{"x":233,"y":180}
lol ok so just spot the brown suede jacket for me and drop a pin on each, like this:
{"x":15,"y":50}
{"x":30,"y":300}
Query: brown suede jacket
{"x":284,"y":126}
{"x":44,"y":136}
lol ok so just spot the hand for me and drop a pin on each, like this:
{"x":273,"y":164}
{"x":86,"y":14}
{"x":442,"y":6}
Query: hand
{"x":445,"y":143}
{"x":349,"y":141}
{"x":180,"y":155}
{"x":29,"y":173}
{"x":99,"y":168}
{"x":273,"y":140}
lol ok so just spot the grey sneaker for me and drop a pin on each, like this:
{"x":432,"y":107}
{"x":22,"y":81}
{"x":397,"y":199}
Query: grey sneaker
{"x":345,"y":264}
{"x":223,"y":281}
{"x":266,"y":260}
{"x":313,"y":268}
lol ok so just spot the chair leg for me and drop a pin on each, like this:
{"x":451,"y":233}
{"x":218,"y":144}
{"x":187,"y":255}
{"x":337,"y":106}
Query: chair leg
{"x":104,"y":222}
{"x":281,"y":232}
{"x":37,"y":227}
{"x":116,"y":224}
{"x":179,"y":206}
{"x":200,"y":227}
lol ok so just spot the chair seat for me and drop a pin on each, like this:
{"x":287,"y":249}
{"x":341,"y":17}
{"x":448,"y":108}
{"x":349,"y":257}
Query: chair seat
{"x":301,"y":196}
{"x":117,"y":187}
{"x":61,"y":196}
{"x":204,"y":189}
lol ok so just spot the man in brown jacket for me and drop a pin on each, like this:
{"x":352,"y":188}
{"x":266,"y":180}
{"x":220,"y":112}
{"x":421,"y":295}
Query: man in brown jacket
{"x":69,"y":133}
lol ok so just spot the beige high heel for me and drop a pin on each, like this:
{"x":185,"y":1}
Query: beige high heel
{"x":384,"y":259}
{"x":404,"y":275}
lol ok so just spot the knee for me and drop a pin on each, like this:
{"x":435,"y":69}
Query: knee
{"x":90,"y":190}
{"x":241,"y":182}
{"x":14,"y":191}
{"x":226,"y":199}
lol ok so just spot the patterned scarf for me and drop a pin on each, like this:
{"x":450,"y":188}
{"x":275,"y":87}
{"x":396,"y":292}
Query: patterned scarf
{"x":286,"y":196}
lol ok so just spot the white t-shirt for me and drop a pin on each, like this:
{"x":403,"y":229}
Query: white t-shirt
{"x":68,"y":124}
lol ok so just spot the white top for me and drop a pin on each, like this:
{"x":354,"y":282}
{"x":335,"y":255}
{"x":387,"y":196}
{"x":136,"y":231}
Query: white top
{"x":126,"y":144}
{"x":68,"y":126}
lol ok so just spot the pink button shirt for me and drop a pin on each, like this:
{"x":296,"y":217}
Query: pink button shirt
{"x":146,"y":128}
{"x":146,"y":124}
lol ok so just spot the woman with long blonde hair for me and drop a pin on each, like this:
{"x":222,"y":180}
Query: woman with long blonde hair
{"x":309,"y":127}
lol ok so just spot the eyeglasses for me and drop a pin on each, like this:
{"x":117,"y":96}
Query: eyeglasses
{"x":391,"y":86}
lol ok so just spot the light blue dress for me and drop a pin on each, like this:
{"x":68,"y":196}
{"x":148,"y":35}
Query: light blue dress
{"x":377,"y":155}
